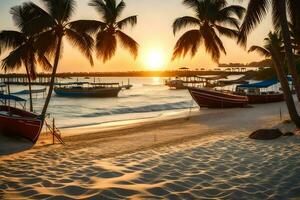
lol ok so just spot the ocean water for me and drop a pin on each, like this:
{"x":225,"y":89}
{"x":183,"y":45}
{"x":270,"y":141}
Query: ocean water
{"x":148,"y":98}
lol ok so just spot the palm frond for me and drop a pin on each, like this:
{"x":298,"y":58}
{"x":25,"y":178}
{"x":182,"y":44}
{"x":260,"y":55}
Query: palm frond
{"x":44,"y":62}
{"x":60,"y":10}
{"x":184,"y":22}
{"x":11,"y":39}
{"x":15,"y":59}
{"x":82,"y":41}
{"x":120,"y":8}
{"x":102,"y":8}
{"x":260,"y":50}
{"x":87,"y":26}
{"x":45,"y":43}
{"x":211,"y":43}
{"x":256,"y":10}
{"x":236,"y":10}
{"x":191,"y":3}
{"x":132,"y":21}
{"x":106,"y":45}
{"x":189,"y":42}
{"x":276,"y":7}
{"x":220,"y":44}
{"x":128,"y":43}
{"x":230,"y":33}
{"x":34,"y":19}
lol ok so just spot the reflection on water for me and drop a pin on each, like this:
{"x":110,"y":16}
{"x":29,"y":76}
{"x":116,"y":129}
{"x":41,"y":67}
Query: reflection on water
{"x":144,"y":100}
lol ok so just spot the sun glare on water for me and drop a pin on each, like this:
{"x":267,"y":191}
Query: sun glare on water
{"x":155,"y":60}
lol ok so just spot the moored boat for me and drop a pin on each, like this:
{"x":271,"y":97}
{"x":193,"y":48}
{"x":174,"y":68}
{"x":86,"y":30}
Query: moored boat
{"x":258,"y":93}
{"x":86,"y":89}
{"x":215,"y":99}
{"x":18,"y":122}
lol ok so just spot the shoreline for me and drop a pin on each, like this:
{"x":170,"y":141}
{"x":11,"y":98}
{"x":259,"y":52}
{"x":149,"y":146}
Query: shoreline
{"x":206,"y":156}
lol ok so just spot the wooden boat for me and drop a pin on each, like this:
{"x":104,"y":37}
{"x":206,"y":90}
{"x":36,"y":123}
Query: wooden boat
{"x":257,"y":92}
{"x":265,"y":98}
{"x":85,"y":89}
{"x":18,"y":122}
{"x":215,"y":99}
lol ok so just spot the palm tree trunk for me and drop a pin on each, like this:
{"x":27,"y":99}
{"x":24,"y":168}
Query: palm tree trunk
{"x":29,"y":86}
{"x":286,"y":89}
{"x":288,"y":45}
{"x":52,"y":81}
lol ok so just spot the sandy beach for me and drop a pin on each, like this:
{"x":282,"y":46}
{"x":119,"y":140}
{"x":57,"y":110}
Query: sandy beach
{"x":204,"y":156}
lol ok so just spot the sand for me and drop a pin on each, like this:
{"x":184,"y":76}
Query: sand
{"x":204,"y":156}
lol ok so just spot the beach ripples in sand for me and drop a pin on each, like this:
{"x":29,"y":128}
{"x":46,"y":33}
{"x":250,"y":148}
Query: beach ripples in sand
{"x":226,"y":169}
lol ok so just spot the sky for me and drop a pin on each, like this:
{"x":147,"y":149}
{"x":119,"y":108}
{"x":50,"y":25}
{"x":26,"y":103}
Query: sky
{"x":154,"y":35}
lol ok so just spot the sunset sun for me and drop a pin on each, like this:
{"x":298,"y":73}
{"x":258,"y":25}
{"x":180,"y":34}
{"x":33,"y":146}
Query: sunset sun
{"x":155,"y":60}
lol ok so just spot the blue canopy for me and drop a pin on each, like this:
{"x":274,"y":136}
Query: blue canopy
{"x":263,"y":84}
{"x":11,"y":97}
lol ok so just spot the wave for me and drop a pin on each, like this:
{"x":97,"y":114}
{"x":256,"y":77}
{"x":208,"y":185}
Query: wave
{"x":142,"y":109}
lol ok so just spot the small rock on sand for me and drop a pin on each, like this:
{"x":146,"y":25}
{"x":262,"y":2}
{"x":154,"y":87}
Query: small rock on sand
{"x":266,"y":134}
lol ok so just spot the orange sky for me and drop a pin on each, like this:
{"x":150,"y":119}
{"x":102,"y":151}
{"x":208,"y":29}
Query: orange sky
{"x":153,"y":33}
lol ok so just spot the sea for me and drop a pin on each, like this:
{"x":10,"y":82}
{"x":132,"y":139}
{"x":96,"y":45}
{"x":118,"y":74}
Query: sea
{"x":148,"y":99}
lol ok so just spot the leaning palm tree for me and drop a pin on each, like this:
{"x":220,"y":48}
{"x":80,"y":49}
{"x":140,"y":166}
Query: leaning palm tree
{"x":109,"y":29}
{"x":273,"y":48}
{"x":23,"y":50}
{"x":52,"y":25}
{"x":257,"y":9}
{"x":212,"y":18}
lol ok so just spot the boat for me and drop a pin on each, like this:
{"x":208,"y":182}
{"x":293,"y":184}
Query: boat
{"x":86,"y":89}
{"x":216,"y":99}
{"x":176,"y":84}
{"x":18,"y":122}
{"x":23,"y":92}
{"x":127,"y":87}
{"x":258,"y":93}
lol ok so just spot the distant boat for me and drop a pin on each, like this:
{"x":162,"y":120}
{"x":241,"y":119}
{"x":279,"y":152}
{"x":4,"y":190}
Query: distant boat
{"x":86,"y":89}
{"x":23,"y":92}
{"x":257,"y":92}
{"x":127,"y":87}
{"x":215,"y":99}
{"x":18,"y":122}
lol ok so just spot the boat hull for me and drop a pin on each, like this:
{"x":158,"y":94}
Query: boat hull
{"x":93,"y":92}
{"x":215,"y":99}
{"x":20,"y":123}
{"x":265,"y":98}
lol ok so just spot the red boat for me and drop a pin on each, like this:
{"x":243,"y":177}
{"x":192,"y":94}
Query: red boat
{"x":265,"y":98}
{"x":259,"y":93}
{"x":215,"y":99}
{"x":18,"y":122}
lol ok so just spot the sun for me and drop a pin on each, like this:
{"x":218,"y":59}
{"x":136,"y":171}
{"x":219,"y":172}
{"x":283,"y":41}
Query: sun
{"x":155,"y":59}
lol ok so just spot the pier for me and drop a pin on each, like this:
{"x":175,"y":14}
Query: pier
{"x":22,"y":80}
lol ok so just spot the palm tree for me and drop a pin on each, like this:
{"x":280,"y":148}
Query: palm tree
{"x":211,"y":17}
{"x":23,"y":50}
{"x":53,"y":24}
{"x":109,"y":29}
{"x":273,"y":48}
{"x":295,"y":35}
{"x":257,"y":9}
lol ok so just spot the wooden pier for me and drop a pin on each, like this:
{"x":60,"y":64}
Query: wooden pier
{"x":22,"y":80}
